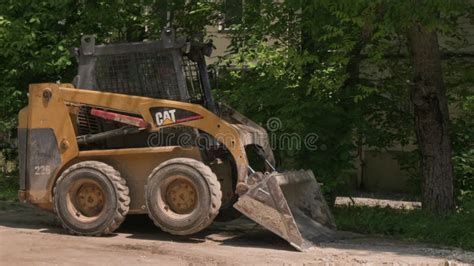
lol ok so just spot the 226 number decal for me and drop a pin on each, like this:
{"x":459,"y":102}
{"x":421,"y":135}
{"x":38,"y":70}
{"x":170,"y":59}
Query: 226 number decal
{"x":42,"y":170}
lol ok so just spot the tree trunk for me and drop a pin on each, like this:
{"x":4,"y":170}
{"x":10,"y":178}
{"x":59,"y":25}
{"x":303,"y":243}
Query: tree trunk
{"x":431,"y":120}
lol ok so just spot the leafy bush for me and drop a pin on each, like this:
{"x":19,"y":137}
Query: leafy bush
{"x":267,"y":92}
{"x":463,"y":155}
{"x":9,"y":186}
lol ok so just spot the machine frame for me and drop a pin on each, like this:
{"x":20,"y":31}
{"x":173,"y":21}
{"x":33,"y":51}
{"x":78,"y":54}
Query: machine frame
{"x":51,"y":110}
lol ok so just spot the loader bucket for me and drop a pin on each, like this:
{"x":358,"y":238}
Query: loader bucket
{"x":291,"y":205}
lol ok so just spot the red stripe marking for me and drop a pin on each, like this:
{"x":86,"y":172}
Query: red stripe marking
{"x":186,"y":119}
{"x":126,"y":119}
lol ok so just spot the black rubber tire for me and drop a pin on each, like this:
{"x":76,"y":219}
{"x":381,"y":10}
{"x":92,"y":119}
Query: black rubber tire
{"x":115,"y":190}
{"x":208,"y":192}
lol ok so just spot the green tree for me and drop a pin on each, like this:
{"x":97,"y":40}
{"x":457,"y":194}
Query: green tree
{"x":36,"y":38}
{"x":431,"y":118}
{"x":340,"y":69}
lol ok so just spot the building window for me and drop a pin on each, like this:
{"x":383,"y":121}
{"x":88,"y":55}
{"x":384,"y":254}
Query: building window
{"x":234,"y":12}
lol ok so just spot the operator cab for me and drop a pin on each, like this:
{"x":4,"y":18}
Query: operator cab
{"x":171,"y":68}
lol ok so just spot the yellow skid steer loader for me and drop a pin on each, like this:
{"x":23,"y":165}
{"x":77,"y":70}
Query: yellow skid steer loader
{"x":139,"y":133}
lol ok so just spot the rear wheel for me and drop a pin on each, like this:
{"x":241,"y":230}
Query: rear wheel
{"x":183,"y":196}
{"x":91,"y":198}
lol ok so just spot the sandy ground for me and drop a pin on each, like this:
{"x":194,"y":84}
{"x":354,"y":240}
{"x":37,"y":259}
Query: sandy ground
{"x":30,"y":236}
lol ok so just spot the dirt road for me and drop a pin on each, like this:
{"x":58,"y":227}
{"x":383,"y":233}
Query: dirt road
{"x":30,"y":236}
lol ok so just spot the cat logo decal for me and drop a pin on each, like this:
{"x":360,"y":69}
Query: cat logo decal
{"x":167,"y":116}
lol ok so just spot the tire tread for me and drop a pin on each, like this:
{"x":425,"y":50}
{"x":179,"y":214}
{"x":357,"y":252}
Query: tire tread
{"x":121,"y":189}
{"x":214,"y":187}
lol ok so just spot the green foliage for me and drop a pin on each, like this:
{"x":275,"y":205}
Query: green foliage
{"x":9,"y":184}
{"x":313,"y":85}
{"x":36,"y":38}
{"x":339,"y":69}
{"x":8,"y":187}
{"x":463,"y":159}
{"x":35,"y":42}
{"x":455,"y":230}
{"x":459,"y":81}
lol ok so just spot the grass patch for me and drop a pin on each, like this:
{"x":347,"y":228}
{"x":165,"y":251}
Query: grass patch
{"x":456,"y":230}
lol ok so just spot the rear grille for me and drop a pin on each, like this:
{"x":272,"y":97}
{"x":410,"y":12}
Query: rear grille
{"x":87,"y":123}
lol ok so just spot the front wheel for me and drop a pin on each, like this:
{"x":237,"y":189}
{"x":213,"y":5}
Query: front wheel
{"x":91,"y":198}
{"x":183,"y":196}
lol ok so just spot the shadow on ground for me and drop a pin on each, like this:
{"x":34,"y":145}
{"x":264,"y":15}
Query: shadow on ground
{"x":19,"y":215}
{"x":240,"y":233}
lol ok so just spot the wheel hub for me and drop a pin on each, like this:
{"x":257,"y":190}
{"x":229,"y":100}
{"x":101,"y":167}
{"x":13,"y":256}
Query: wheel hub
{"x":181,"y":196}
{"x":90,"y":199}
